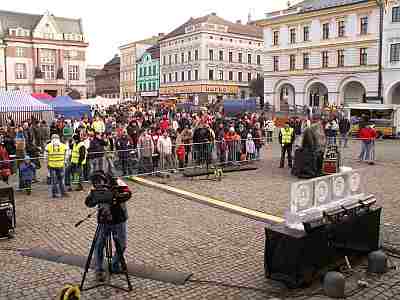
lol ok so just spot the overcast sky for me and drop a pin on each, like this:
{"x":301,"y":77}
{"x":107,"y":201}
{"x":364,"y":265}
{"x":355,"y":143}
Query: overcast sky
{"x":109,"y":24}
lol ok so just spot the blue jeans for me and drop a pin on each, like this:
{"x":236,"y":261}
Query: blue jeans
{"x":57,"y":180}
{"x":344,"y":137}
{"x":119,"y":234}
{"x":96,"y":164}
{"x":365,"y":150}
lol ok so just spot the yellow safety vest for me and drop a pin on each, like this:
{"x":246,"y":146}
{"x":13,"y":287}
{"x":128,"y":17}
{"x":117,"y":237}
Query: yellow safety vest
{"x":75,"y":153}
{"x":286,"y":135}
{"x":56,"y":155}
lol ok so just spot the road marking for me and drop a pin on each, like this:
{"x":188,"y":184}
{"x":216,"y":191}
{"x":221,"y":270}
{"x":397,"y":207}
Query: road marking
{"x":239,"y":210}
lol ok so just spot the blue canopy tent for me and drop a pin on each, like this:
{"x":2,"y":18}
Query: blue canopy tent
{"x":21,"y":107}
{"x":68,"y":108}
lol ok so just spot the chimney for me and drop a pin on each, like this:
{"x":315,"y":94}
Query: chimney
{"x":161,"y":34}
{"x":213,"y":14}
{"x":239,"y":22}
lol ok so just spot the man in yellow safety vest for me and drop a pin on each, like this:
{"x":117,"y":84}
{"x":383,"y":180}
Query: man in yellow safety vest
{"x":286,"y":139}
{"x":55,"y":151}
{"x":78,"y":161}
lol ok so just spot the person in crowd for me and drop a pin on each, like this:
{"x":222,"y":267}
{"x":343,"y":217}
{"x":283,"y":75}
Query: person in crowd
{"x":123,"y":147}
{"x":250,"y":148}
{"x":96,"y":152}
{"x":98,"y":125}
{"x":258,"y":139}
{"x":367,"y":135}
{"x":180,"y":149}
{"x":164,"y":145}
{"x":68,"y":131}
{"x":27,"y":171}
{"x":78,"y":161}
{"x":5,"y":163}
{"x":55,"y":152}
{"x":187,"y":140}
{"x":146,"y":151}
{"x":269,"y":128}
{"x":44,"y":134}
{"x":331,"y":128}
{"x":110,"y":151}
{"x":344,"y":129}
{"x":286,"y":139}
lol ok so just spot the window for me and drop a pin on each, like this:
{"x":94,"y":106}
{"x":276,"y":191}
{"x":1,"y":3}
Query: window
{"x":20,"y":71}
{"x":363,"y":56}
{"x":306,"y":61}
{"x":210,"y":74}
{"x":196,"y":54}
{"x":240,"y":77}
{"x":258,"y":59}
{"x":220,"y":75}
{"x":150,"y":71}
{"x":140,"y":72}
{"x":292,"y":35}
{"x":73,"y":72}
{"x":196,"y":74}
{"x":306,"y":33}
{"x":164,"y":78}
{"x":292,"y":62}
{"x":182,"y":76}
{"x":211,"y":54}
{"x":176,"y":76}
{"x":154,"y":70}
{"x":144,"y":71}
{"x":47,"y":56}
{"x":249,"y":58}
{"x":189,"y":56}
{"x":164,"y":60}
{"x":275,"y":38}
{"x":341,"y":28}
{"x":396,"y":14}
{"x":170,"y":77}
{"x":240,"y":57}
{"x":248,"y":77}
{"x":48,"y":71}
{"x":221,"y":55}
{"x":169,"y":61}
{"x":395,"y":52}
{"x":325,"y":31}
{"x":230,"y":57}
{"x":325,"y":59}
{"x":276,"y":63}
{"x":20,"y":52}
{"x":364,"y":25}
{"x":230,"y":75}
{"x":153,"y":86}
{"x":258,"y":75}
{"x":189,"y":77}
{"x":340,"y":58}
{"x":176,"y":58}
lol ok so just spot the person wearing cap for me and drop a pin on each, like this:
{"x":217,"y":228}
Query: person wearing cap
{"x":27,"y":171}
{"x":286,"y":139}
{"x":56,"y":151}
{"x":78,"y":161}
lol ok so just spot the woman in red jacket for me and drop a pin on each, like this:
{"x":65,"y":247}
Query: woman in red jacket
{"x":367,"y":135}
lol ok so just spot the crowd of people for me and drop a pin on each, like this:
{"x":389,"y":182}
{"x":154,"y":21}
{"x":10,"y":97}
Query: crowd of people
{"x":128,"y":139}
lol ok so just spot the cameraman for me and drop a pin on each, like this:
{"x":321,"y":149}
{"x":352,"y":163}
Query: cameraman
{"x":112,"y":216}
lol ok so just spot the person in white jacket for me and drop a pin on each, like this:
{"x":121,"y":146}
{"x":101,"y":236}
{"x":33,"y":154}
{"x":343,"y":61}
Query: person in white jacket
{"x":250,"y":148}
{"x":164,"y":146}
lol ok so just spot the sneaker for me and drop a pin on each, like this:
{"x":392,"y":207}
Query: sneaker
{"x":100,"y":276}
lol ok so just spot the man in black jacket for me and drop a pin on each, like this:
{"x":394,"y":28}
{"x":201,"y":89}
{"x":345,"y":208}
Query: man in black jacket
{"x":96,"y":152}
{"x":112,"y":219}
{"x":344,"y":128}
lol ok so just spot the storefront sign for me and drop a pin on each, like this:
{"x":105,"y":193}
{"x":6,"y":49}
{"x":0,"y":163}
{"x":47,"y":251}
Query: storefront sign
{"x":193,"y":89}
{"x":149,"y":94}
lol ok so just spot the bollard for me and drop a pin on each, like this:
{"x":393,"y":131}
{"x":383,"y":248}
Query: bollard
{"x":334,"y":284}
{"x":377,"y":262}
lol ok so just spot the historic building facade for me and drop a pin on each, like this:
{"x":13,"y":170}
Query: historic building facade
{"x":391,"y":53}
{"x":107,"y":80}
{"x":208,"y":58}
{"x":321,"y":53}
{"x":43,"y":53}
{"x":130,"y":53}
{"x":148,"y":73}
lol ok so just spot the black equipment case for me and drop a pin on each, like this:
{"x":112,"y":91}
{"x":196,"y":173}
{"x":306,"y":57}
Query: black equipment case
{"x":7,"y":212}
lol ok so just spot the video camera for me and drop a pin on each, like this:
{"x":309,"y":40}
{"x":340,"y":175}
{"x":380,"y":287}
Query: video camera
{"x":108,"y":191}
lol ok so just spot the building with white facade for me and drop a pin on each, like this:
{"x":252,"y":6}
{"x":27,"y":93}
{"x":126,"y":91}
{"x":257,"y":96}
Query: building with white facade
{"x":208,"y":58}
{"x":391,"y":53}
{"x":320,"y":53}
{"x":43,"y":53}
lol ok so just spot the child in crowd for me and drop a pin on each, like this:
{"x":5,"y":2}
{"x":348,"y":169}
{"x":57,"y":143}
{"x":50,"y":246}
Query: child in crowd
{"x":27,"y":173}
{"x":250,"y":147}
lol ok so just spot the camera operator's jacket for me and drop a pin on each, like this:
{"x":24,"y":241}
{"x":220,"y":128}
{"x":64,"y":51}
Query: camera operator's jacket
{"x":118,"y":210}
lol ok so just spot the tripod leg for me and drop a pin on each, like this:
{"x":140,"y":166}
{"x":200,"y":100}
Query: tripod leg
{"x":109,"y":253}
{"x":89,"y":259}
{"x":124,"y":266}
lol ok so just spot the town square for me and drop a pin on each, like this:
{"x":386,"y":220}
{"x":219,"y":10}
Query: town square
{"x":224,"y":152}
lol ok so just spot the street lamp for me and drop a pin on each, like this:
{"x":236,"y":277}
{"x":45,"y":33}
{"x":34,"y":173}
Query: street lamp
{"x":381,"y":4}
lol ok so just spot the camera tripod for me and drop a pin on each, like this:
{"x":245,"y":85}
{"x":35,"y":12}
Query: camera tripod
{"x":108,"y":248}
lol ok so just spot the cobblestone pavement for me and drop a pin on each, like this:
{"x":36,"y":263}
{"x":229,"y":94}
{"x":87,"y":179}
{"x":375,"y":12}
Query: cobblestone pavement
{"x":176,"y":234}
